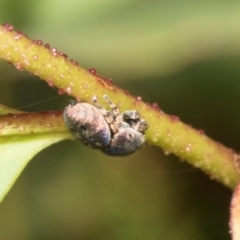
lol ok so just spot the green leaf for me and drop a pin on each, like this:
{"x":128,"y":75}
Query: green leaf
{"x":6,"y":110}
{"x":23,"y":135}
{"x":17,"y":151}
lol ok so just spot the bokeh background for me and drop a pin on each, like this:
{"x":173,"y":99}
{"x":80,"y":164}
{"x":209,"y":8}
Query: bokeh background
{"x":184,"y":55}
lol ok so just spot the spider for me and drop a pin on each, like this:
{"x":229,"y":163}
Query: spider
{"x":114,"y":133}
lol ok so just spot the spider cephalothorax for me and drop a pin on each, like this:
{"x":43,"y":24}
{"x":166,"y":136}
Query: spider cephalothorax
{"x":115,"y":133}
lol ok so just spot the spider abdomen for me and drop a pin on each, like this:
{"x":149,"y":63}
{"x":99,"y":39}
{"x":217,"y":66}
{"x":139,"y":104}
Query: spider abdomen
{"x":87,"y":124}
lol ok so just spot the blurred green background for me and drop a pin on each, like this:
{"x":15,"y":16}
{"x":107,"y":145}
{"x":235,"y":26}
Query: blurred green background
{"x":185,"y":56}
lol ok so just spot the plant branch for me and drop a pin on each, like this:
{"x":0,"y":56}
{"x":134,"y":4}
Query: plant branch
{"x":32,"y":123}
{"x":165,"y":131}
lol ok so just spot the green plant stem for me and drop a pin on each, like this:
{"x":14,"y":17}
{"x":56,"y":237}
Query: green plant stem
{"x":165,"y":131}
{"x":32,"y":123}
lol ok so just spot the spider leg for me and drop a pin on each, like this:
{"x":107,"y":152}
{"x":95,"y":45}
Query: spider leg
{"x":143,"y":126}
{"x":114,"y":110}
{"x":139,"y":125}
{"x":107,"y":115}
{"x":132,"y":117}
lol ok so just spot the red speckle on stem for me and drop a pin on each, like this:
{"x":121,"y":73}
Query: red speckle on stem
{"x":155,"y":106}
{"x":39,"y":42}
{"x":61,"y":91}
{"x":54,"y":51}
{"x":47,"y":46}
{"x":139,"y":98}
{"x":50,"y":83}
{"x":8,"y":122}
{"x":63,"y":54}
{"x":18,"y":36}
{"x":8,"y":27}
{"x":68,"y":90}
{"x":93,"y":71}
{"x":108,"y":80}
{"x":235,"y":213}
{"x":18,"y":66}
{"x":55,"y":114}
{"x":174,"y":118}
{"x":74,"y":62}
{"x":201,"y":131}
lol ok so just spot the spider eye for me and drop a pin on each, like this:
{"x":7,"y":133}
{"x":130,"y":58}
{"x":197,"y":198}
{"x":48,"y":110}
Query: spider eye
{"x":131,"y":135}
{"x":83,"y":128}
